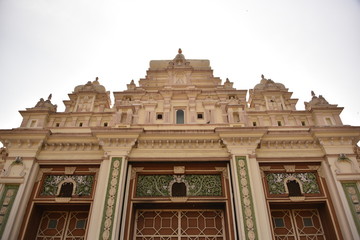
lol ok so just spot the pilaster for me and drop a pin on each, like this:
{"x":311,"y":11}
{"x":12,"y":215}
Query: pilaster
{"x":341,"y":166}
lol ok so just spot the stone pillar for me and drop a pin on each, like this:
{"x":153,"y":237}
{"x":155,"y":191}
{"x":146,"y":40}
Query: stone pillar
{"x":114,"y":197}
{"x":338,"y":198}
{"x":17,"y":183}
{"x":250,"y":204}
{"x":340,"y":167}
{"x":99,"y":199}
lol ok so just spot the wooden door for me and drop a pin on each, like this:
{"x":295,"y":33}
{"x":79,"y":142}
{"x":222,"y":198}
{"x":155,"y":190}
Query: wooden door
{"x":62,"y":225}
{"x":297,"y":224}
{"x":184,"y":224}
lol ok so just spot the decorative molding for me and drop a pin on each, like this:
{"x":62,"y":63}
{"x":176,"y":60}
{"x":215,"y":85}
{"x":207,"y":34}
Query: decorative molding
{"x":134,"y":171}
{"x":117,"y":142}
{"x":223,"y":170}
{"x":66,"y":180}
{"x":289,"y":168}
{"x":15,"y":170}
{"x":41,"y":173}
{"x":180,"y":143}
{"x":297,"y":198}
{"x":179,"y":199}
{"x":247,"y":204}
{"x":356,"y":150}
{"x":4,"y":153}
{"x":235,"y":141}
{"x":341,"y":165}
{"x":23,"y":143}
{"x":264,"y":169}
{"x":66,"y":146}
{"x":337,"y":140}
{"x":63,"y":199}
{"x":111,"y":199}
{"x":179,"y":169}
{"x":289,"y":144}
{"x":314,"y":167}
{"x":70,"y":170}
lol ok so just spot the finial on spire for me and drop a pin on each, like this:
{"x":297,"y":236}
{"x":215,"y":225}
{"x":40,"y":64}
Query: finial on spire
{"x":96,"y":79}
{"x":49,"y":97}
{"x":179,"y":51}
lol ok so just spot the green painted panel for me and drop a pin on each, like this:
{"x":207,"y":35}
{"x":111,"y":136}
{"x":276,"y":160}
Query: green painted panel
{"x":276,"y":182}
{"x":84,"y":184}
{"x":196,"y":185}
{"x":107,"y":222}
{"x":6,"y":202}
{"x":353,"y":197}
{"x":247,"y":204}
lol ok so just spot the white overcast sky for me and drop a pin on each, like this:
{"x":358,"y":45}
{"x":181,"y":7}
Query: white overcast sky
{"x":51,"y":46}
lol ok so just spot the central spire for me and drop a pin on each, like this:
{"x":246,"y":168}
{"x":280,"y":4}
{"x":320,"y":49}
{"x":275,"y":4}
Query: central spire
{"x":179,"y":58}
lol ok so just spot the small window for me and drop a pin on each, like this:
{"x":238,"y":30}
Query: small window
{"x":159,"y":116}
{"x":279,"y":123}
{"x":236,"y":117}
{"x":254,"y":124}
{"x":308,"y":222}
{"x":33,"y":123}
{"x":105,"y":124}
{"x":57,"y":124}
{"x":200,"y":116}
{"x":294,"y":188}
{"x":180,"y":116}
{"x":80,"y":224}
{"x":279,"y":222}
{"x":80,"y":124}
{"x":52,"y":224}
{"x":66,"y":189}
{"x":328,"y":121}
{"x":178,"y":189}
{"x":303,"y":123}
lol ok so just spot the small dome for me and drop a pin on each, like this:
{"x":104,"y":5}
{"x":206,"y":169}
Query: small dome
{"x":268,"y":84}
{"x":94,"y":86}
{"x":179,"y":58}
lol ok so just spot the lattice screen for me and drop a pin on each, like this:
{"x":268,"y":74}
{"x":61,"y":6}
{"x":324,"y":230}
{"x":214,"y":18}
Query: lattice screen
{"x":297,"y":224}
{"x":179,"y":225}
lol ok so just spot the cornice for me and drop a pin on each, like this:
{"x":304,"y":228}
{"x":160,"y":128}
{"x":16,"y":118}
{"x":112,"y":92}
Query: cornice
{"x":288,"y":144}
{"x":335,"y":141}
{"x":241,"y":141}
{"x":184,"y":143}
{"x":71,"y":146}
{"x":117,"y":142}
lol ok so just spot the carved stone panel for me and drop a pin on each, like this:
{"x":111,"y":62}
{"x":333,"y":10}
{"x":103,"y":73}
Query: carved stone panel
{"x":196,"y":185}
{"x":277,"y":182}
{"x":83,"y":184}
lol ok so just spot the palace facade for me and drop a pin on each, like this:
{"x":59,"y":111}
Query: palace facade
{"x":181,"y":155}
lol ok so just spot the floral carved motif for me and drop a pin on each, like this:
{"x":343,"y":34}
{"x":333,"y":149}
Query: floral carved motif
{"x":84,"y":184}
{"x":276,"y":182}
{"x":196,"y":184}
{"x":111,"y":198}
{"x":246,"y":197}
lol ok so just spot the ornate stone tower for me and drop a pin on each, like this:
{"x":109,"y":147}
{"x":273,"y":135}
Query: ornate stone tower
{"x":180,"y":154}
